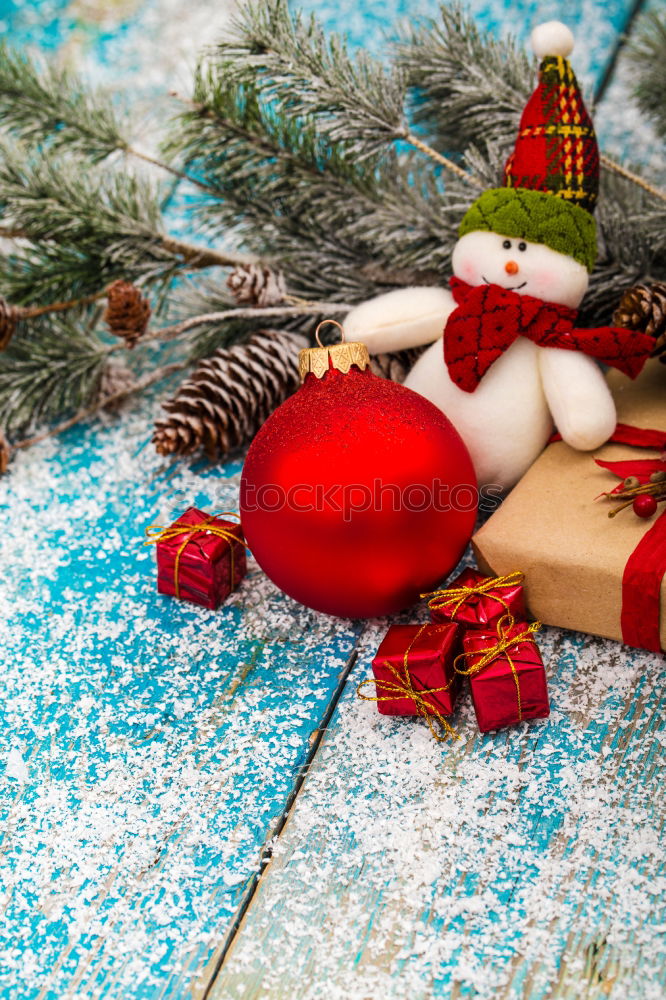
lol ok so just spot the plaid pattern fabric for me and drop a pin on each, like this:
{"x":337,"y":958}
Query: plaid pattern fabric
{"x":556,"y":149}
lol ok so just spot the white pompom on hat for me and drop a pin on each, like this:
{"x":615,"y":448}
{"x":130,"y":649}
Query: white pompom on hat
{"x":552,"y":39}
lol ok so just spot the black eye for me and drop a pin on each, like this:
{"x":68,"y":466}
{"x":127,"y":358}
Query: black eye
{"x":522,"y":246}
{"x":507,"y":244}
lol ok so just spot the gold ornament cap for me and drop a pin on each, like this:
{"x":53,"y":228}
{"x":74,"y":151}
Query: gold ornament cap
{"x":341,"y":356}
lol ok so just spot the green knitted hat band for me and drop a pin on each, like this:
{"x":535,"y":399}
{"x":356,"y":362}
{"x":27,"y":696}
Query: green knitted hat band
{"x":538,"y":217}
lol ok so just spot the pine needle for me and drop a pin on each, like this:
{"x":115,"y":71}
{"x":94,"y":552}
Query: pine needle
{"x":86,"y":226}
{"x":293,"y":195}
{"x":355,"y":98}
{"x":56,"y":371}
{"x":52,"y":106}
{"x":648,"y":55}
{"x":469,"y":89}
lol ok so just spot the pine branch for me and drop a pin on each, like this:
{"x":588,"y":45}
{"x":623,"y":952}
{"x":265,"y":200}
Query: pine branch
{"x":215,"y":320}
{"x":104,"y":402}
{"x":56,"y":109}
{"x":298,"y":139}
{"x":195,"y":258}
{"x":648,"y":54}
{"x":470,"y":88}
{"x":292,"y":194}
{"x":631,"y":175}
{"x":356,"y":101}
{"x":58,"y":371}
{"x":11,"y":233}
{"x":86,"y":227}
{"x":307,"y":73}
{"x":203,"y":297}
{"x":50,"y":105}
{"x":631,"y":230}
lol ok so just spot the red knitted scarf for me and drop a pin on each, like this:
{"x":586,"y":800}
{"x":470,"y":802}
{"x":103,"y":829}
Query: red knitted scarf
{"x":489,"y":318}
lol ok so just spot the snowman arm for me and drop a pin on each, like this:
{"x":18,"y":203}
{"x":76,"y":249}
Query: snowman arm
{"x":407,"y":317}
{"x":578,"y":397}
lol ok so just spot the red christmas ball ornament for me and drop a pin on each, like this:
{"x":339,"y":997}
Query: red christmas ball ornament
{"x":357,"y":494}
{"x":644,"y":505}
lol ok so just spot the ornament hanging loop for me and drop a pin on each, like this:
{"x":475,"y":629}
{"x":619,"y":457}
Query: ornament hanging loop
{"x":333,"y":322}
{"x":341,"y":356}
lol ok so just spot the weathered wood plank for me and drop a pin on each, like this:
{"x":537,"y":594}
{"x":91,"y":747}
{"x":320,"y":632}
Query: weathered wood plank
{"x":526,"y":863}
{"x":148,"y":746}
{"x":526,"y":895}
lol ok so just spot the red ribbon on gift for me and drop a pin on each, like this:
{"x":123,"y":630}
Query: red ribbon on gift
{"x":641,"y":589}
{"x":646,"y":566}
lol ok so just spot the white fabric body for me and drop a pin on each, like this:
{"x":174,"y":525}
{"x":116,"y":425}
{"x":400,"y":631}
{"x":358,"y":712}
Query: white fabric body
{"x":507,"y":420}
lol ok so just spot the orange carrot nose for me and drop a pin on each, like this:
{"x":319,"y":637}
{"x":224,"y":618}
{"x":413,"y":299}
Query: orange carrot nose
{"x":511,"y":267}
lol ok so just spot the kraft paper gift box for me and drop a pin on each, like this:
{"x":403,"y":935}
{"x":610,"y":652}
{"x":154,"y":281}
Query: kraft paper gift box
{"x":573,"y":555}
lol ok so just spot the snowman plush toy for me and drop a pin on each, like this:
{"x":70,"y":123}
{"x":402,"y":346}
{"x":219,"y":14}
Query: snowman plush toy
{"x":508,"y":362}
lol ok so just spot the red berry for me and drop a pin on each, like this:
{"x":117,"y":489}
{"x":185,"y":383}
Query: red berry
{"x":644,"y":505}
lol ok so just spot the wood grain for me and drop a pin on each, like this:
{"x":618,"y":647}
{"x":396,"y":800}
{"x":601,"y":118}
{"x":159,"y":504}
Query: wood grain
{"x":151,"y":750}
{"x":158,"y":742}
{"x":526,"y":863}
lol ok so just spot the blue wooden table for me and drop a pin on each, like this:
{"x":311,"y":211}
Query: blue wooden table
{"x":196,"y":804}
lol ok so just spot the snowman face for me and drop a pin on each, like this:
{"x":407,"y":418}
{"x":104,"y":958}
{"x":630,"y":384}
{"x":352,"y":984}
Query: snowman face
{"x":524,"y":267}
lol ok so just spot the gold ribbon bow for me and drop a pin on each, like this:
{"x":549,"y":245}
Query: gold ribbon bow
{"x":457,"y":596}
{"x":402,"y":687}
{"x":160,"y":533}
{"x":503,"y":644}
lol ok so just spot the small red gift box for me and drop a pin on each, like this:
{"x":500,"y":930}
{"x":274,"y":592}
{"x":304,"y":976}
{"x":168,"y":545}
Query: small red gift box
{"x":478,"y":601}
{"x":509,"y":686}
{"x":200,"y":558}
{"x":413,"y":659}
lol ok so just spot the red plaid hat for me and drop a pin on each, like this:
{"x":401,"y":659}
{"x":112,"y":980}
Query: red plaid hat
{"x":551,"y":180}
{"x":556,"y":150}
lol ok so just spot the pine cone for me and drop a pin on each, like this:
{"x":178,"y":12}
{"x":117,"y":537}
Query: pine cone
{"x":9,"y":317}
{"x":116,"y":377}
{"x":229,"y":395}
{"x":127,"y":312}
{"x":257,"y":285}
{"x":5,"y":453}
{"x":396,"y":365}
{"x":644,"y":308}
